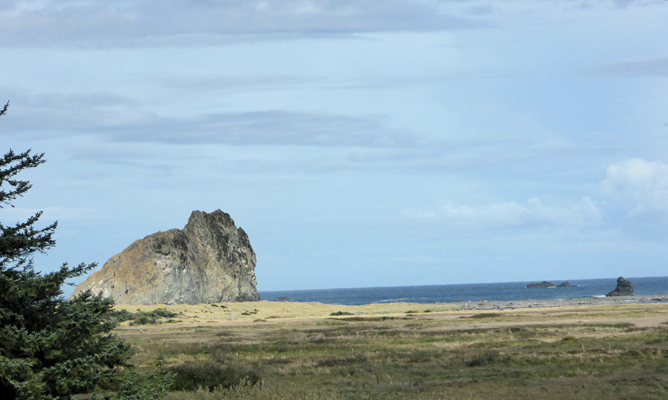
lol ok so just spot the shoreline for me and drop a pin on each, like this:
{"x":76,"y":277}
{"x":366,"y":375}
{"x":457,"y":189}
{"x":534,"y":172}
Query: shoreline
{"x":233,"y":313}
{"x":567,"y":302}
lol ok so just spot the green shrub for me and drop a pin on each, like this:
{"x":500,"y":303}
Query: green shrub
{"x":147,"y":317}
{"x":341,"y":313}
{"x":124,"y":315}
{"x":152,"y":386}
{"x":163,"y":313}
{"x":210,"y":375}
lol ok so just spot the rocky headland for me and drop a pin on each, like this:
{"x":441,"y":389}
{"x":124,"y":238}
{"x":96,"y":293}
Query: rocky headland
{"x":209,"y":261}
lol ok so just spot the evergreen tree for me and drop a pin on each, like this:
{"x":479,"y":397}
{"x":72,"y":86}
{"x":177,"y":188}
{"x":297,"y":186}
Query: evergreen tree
{"x":50,"y":347}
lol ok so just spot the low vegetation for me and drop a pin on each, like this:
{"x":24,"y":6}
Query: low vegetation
{"x":593,"y":353}
{"x":157,"y":316}
{"x":210,"y":375}
{"x":341,"y":313}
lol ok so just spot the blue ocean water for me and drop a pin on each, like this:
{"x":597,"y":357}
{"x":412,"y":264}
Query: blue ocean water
{"x":468,"y":292}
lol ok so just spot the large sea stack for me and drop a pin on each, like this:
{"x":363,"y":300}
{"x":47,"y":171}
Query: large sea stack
{"x":208,"y":261}
{"x":624,"y":288}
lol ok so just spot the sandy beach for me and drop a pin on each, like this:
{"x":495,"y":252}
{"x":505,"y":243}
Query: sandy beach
{"x":231,"y":313}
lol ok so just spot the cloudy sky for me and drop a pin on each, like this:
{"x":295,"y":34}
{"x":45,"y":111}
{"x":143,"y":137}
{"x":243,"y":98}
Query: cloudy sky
{"x":358,"y":142}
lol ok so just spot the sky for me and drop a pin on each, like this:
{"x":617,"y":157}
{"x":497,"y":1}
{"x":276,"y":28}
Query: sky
{"x":359,"y":143}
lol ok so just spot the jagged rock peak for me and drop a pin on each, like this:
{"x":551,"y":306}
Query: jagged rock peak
{"x":208,"y":261}
{"x":624,"y":288}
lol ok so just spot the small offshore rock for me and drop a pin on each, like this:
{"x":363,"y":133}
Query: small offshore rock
{"x":544,"y":284}
{"x":565,"y":284}
{"x":624,"y":288}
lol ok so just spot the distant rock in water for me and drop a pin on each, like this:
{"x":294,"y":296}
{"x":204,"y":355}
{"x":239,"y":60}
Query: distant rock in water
{"x":624,"y":288}
{"x":543,"y":284}
{"x":565,"y":284}
{"x":209,"y":261}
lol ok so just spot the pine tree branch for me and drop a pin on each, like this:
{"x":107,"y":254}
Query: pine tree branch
{"x":10,"y":165}
{"x":4,"y":109}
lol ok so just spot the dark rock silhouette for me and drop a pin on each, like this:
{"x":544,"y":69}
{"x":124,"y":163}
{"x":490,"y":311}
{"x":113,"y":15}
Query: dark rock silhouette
{"x":565,"y":284}
{"x":543,"y":284}
{"x":624,"y":288}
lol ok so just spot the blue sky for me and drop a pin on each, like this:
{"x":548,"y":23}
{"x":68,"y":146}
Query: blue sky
{"x":358,"y":143}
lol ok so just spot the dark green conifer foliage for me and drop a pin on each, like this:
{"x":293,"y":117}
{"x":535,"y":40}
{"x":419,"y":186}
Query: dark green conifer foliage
{"x":50,"y":347}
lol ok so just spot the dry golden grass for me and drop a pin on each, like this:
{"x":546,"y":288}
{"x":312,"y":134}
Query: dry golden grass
{"x":239,"y":313}
{"x":401,"y":350}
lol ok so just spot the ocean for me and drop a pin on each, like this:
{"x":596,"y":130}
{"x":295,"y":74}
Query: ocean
{"x":469,"y":292}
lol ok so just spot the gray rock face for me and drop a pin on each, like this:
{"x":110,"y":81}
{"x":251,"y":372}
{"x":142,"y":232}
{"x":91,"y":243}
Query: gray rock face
{"x":209,"y":261}
{"x":624,"y":288}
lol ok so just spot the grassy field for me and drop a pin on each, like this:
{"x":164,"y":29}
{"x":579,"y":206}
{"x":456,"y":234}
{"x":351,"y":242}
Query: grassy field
{"x":413,"y":351}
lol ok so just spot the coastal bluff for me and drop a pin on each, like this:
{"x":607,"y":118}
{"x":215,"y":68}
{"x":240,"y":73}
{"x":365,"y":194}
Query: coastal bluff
{"x":210,"y":260}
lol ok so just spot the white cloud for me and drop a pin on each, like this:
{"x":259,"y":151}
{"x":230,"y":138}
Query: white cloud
{"x":113,"y":118}
{"x":510,"y":214}
{"x":640,"y":186}
{"x":635,"y":200}
{"x":149,"y":23}
{"x":178,"y":22}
